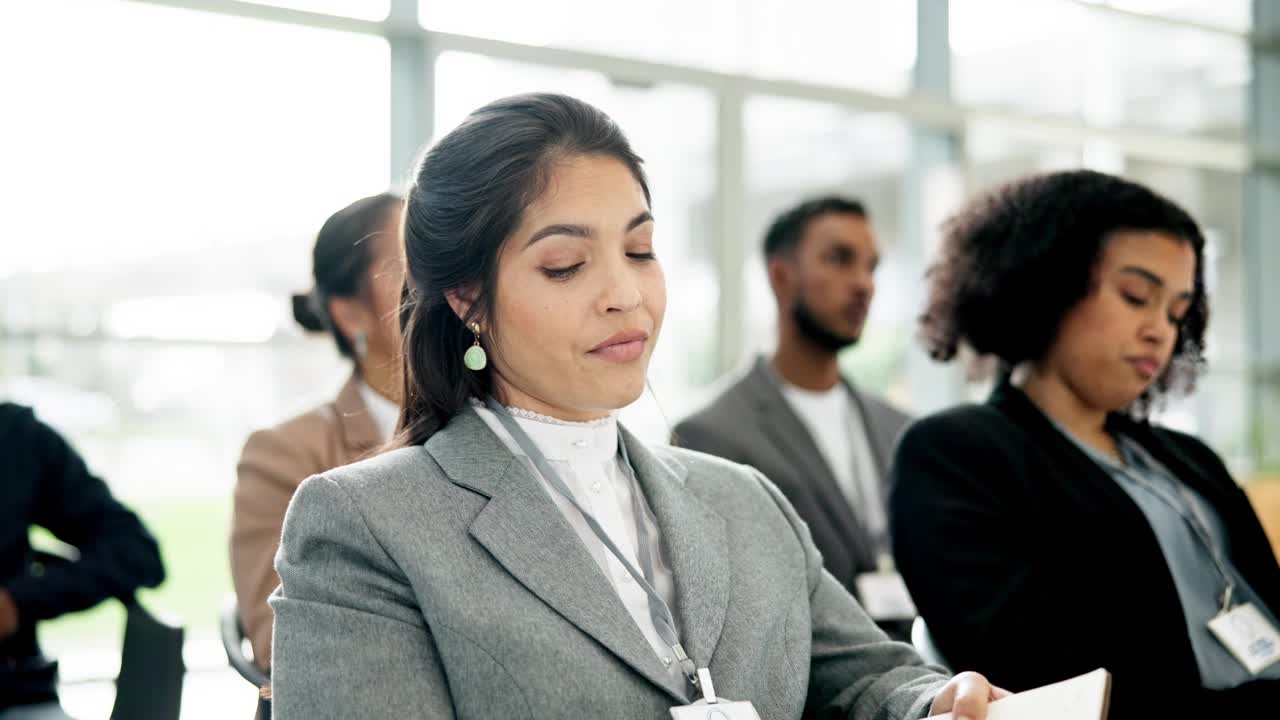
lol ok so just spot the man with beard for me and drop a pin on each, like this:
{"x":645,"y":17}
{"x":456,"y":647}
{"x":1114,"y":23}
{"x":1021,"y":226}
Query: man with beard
{"x":793,"y":417}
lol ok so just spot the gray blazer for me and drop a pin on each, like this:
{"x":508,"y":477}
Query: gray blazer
{"x":753,"y":424}
{"x":442,"y":581}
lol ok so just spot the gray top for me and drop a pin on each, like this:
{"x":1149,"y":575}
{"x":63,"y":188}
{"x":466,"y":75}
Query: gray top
{"x":1178,"y":515}
{"x":442,"y":581}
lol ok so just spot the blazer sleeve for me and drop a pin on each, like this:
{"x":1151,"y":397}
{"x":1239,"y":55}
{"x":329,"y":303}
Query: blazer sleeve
{"x":958,"y":514}
{"x":855,"y":670}
{"x":270,"y":469}
{"x":116,"y":553}
{"x":350,"y":639}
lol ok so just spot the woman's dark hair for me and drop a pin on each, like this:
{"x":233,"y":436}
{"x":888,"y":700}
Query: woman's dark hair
{"x":340,"y":262}
{"x":469,"y":193}
{"x":1014,"y":261}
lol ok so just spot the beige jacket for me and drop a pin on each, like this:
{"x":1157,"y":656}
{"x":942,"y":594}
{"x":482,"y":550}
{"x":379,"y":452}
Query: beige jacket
{"x":272,"y":465}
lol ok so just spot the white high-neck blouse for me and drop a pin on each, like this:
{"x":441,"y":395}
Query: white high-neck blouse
{"x":587,"y":458}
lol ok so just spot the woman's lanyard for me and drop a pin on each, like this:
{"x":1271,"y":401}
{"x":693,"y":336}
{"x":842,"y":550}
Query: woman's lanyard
{"x":659,"y":613}
{"x":1134,"y":456}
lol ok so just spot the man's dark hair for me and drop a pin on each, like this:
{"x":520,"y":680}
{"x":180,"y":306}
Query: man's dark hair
{"x":786,"y":230}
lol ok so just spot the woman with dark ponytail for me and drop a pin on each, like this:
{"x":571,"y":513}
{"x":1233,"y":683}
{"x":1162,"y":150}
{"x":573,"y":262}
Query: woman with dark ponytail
{"x":521,"y":555}
{"x":359,"y":275}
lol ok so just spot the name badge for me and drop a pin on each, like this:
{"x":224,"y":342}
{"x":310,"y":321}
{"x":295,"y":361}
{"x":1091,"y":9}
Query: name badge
{"x":1250,"y":637}
{"x":711,"y":707}
{"x":884,"y":596}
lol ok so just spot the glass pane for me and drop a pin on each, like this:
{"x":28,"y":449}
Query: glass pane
{"x":861,"y":43}
{"x":1067,"y":59}
{"x":362,"y":9}
{"x":1231,"y":14}
{"x":162,"y":203}
{"x":672,"y":127}
{"x":995,"y":155}
{"x":830,"y":149}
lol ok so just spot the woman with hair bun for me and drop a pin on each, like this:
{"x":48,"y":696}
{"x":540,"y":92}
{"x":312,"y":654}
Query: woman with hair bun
{"x":358,"y":277}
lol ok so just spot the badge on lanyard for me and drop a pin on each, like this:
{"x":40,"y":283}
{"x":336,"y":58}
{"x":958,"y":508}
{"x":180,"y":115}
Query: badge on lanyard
{"x":711,"y":707}
{"x":1249,"y":636}
{"x":1246,"y":633}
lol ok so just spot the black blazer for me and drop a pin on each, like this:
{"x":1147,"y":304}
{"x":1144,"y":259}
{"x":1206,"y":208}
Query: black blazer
{"x":1032,"y":565}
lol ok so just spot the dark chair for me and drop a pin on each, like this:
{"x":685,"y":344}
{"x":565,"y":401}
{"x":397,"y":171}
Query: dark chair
{"x":149,"y":686}
{"x":239,"y":654}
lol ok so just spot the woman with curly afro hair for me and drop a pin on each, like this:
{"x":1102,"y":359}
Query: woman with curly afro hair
{"x":1054,"y":529}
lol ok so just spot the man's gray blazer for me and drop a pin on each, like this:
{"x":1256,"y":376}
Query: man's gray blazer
{"x":441,"y":581}
{"x":752,"y":423}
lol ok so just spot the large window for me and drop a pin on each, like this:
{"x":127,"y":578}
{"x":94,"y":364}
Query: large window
{"x":1229,"y":14}
{"x":363,"y":9}
{"x":866,"y":44}
{"x":1071,"y":60}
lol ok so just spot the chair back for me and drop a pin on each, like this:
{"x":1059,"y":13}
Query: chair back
{"x":149,"y":686}
{"x":233,"y":643}
{"x":923,"y":642}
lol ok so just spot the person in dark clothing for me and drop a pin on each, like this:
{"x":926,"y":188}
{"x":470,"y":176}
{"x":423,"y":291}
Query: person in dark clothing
{"x":44,"y":482}
{"x":1055,"y":529}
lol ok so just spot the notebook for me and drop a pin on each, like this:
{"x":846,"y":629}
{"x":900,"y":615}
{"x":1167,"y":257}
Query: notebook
{"x":1081,"y":698}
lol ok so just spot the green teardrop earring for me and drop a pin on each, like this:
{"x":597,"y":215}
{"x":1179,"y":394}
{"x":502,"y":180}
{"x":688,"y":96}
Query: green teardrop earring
{"x":475,"y":358}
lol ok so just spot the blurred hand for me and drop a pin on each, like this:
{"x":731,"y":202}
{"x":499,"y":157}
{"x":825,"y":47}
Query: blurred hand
{"x":966,"y":697}
{"x":8,"y":615}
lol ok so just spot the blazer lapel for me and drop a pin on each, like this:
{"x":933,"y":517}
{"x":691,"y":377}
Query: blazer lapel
{"x":694,"y":541}
{"x":1093,"y":483}
{"x":526,"y":533}
{"x":871,"y":427}
{"x":793,"y":442}
{"x":360,"y":437}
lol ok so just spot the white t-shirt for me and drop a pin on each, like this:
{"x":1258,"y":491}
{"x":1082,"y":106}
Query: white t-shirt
{"x":836,"y":426}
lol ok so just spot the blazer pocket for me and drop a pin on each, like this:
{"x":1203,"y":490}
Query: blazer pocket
{"x":479,"y":685}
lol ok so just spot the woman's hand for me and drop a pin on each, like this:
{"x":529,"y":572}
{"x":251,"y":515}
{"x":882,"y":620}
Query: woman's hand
{"x":966,"y":697}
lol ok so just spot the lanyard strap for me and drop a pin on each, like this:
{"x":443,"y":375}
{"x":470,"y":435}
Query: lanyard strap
{"x":659,"y":613}
{"x":1136,"y":455}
